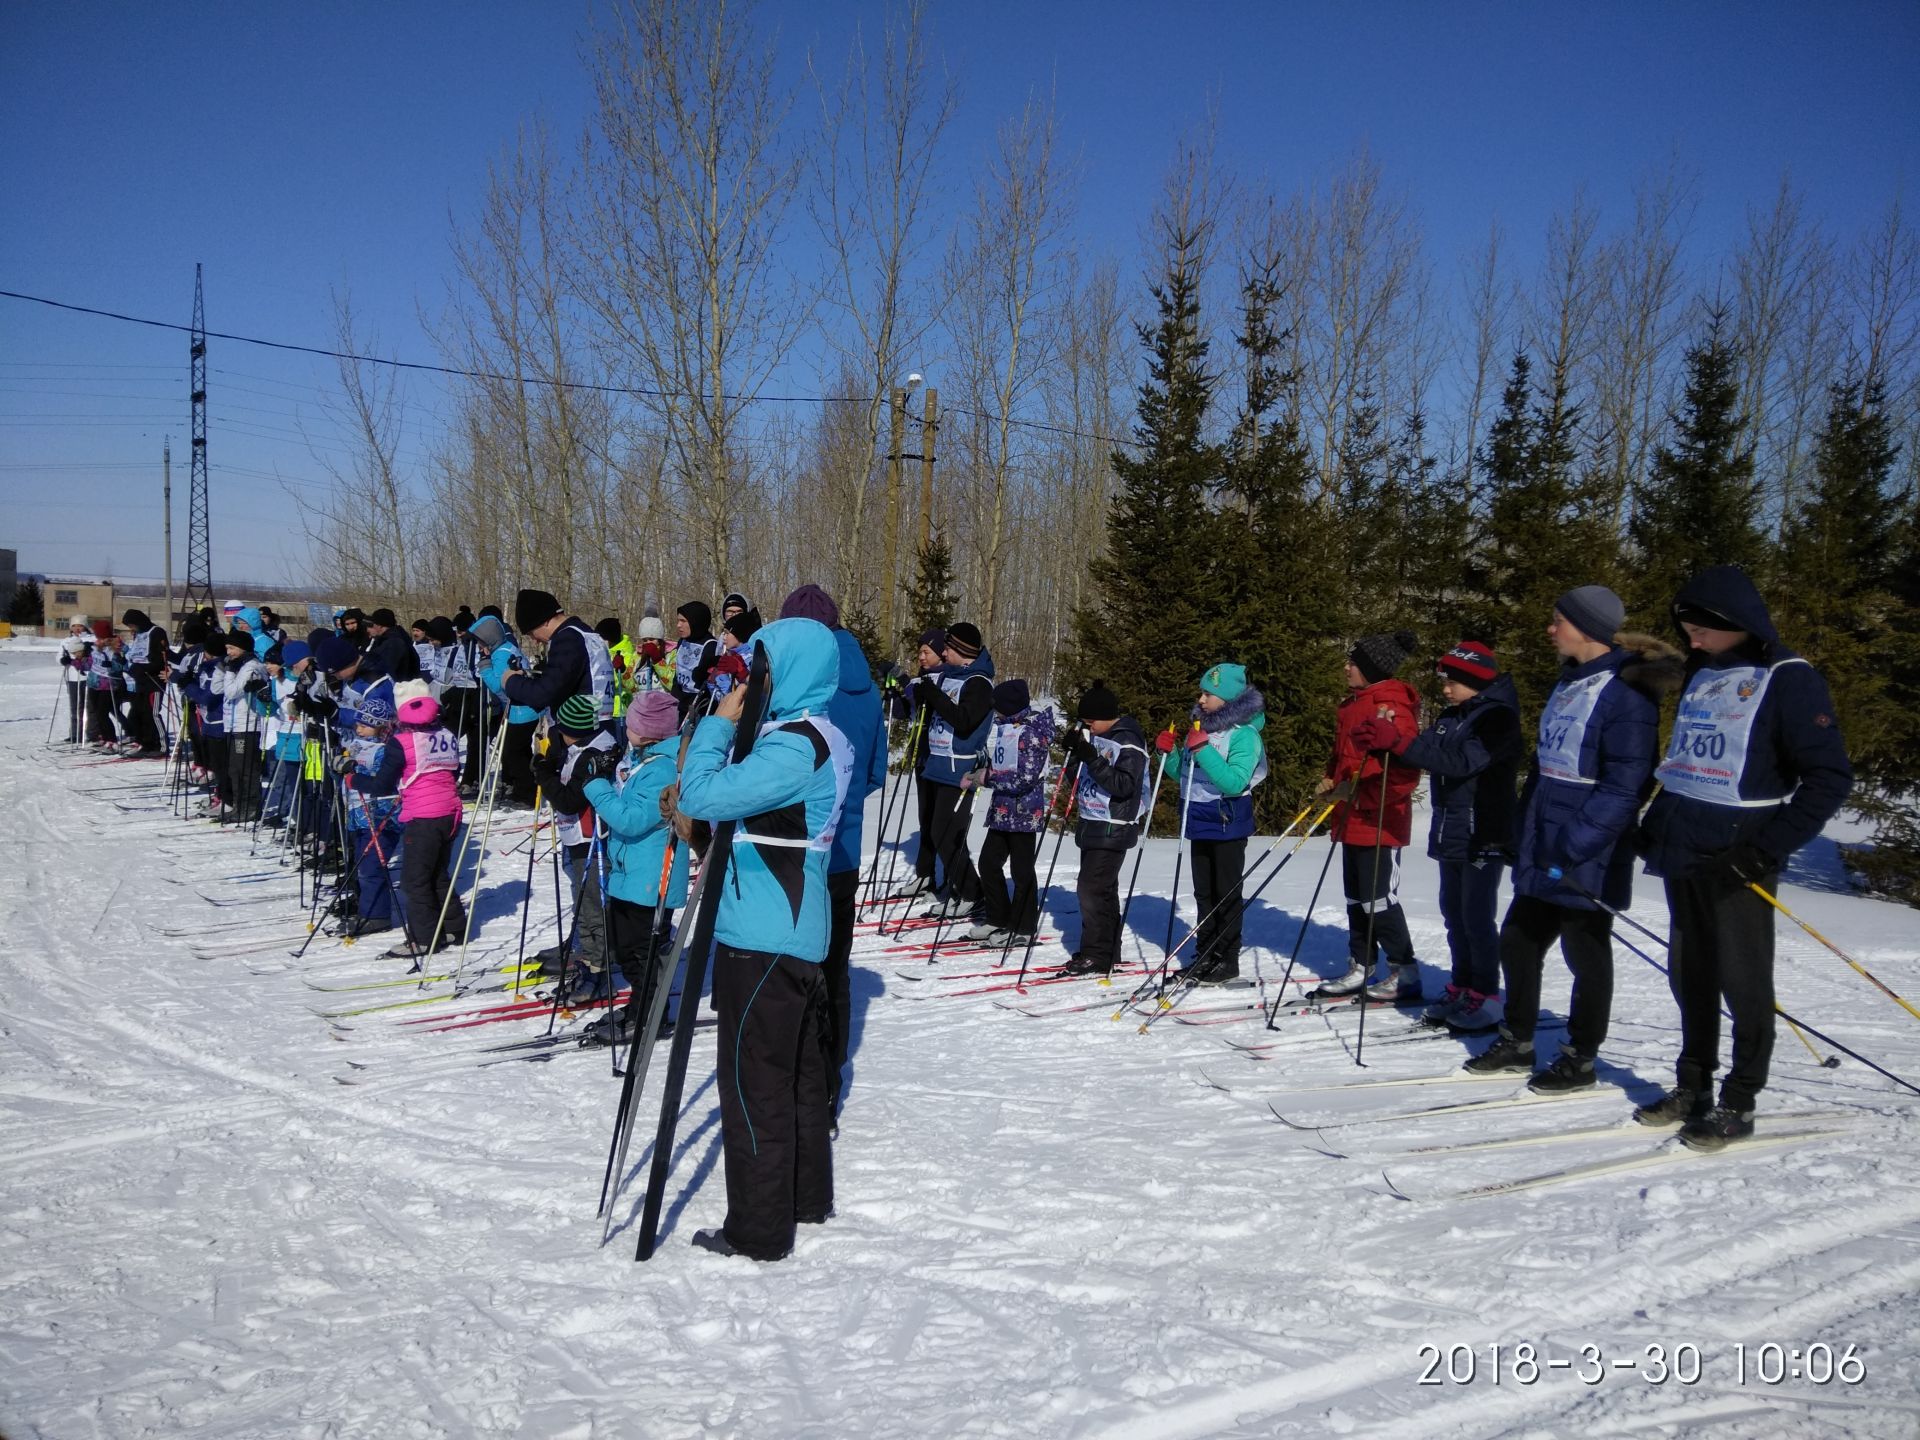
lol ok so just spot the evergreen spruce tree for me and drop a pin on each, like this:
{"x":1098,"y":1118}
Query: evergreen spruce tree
{"x":1839,"y":566}
{"x":1543,"y":531}
{"x":1153,"y":619}
{"x":931,"y":598}
{"x":1275,"y":548}
{"x":1697,"y":505}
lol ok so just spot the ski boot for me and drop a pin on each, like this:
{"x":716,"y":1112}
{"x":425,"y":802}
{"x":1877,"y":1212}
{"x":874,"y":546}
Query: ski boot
{"x":1569,"y":1071}
{"x":1717,"y":1129}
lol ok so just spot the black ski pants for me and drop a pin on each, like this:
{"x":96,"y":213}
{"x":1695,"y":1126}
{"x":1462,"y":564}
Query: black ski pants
{"x":1002,"y":848}
{"x":100,"y":717}
{"x":461,"y":707}
{"x":1586,"y":940}
{"x":945,"y":816}
{"x":1217,"y":868}
{"x":141,"y":725}
{"x":842,"y":889}
{"x":776,"y":1097}
{"x":1722,"y":949}
{"x":1098,"y":891}
{"x":1373,"y":889}
{"x":76,"y":710}
{"x":516,"y":763}
{"x":243,"y":772}
{"x":426,"y":880}
{"x":638,"y":951}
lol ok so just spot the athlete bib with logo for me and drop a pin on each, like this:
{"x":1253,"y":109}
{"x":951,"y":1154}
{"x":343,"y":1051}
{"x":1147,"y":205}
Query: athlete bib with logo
{"x":1199,"y":787}
{"x":1563,"y":727}
{"x":1708,"y":752}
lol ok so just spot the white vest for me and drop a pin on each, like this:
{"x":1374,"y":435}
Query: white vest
{"x":940,"y":735}
{"x":1707,"y":753}
{"x":1563,"y":727}
{"x":840,"y":757}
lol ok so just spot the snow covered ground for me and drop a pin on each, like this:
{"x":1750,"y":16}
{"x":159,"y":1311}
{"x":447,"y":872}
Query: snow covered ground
{"x":1046,"y":1226}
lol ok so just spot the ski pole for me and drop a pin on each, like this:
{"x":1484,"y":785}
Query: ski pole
{"x":905,"y":790}
{"x":526,"y":905}
{"x":889,"y":798}
{"x":54,"y":718}
{"x":1180,"y":854}
{"x":640,"y":1043}
{"x":489,"y":794}
{"x":573,"y":928}
{"x":1140,"y":854}
{"x":1373,"y":903}
{"x":1855,"y":965}
{"x":1186,"y":982}
{"x":1306,"y":923}
{"x":1039,"y":899}
{"x":1066,"y":819}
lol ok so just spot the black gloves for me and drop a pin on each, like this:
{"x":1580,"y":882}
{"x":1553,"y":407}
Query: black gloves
{"x":1081,"y":748}
{"x":257,"y":685}
{"x":596,"y":765}
{"x":1738,"y":865}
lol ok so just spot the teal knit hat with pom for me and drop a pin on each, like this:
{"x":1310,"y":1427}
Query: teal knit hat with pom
{"x":1229,"y":682}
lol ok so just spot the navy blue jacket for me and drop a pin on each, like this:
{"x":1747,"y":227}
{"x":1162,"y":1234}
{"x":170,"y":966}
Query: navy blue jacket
{"x":855,"y":712}
{"x":1794,"y":752}
{"x":1577,"y":826}
{"x":566,"y":671}
{"x":1472,"y":751}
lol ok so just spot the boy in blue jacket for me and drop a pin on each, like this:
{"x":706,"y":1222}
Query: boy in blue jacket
{"x":1755,"y":768}
{"x":1573,"y":864}
{"x":771,"y":933}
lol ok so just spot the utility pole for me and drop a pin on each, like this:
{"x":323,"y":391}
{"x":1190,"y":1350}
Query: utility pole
{"x":928,"y":427}
{"x":166,"y":514}
{"x":890,"y":585}
{"x":199,"y":546}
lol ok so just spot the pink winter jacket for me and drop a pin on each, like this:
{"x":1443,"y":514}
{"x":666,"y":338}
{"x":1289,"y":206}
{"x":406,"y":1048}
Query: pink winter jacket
{"x":429,"y":773}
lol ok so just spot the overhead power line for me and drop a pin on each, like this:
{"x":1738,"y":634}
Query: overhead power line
{"x":632,"y":391}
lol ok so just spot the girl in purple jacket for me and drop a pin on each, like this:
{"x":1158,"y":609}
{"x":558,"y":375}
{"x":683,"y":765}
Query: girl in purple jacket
{"x":1016,"y":754}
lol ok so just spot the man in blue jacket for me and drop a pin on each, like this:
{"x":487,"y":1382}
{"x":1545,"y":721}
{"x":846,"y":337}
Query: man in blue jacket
{"x":771,"y":934}
{"x":1592,"y":768}
{"x":1754,"y":769}
{"x":959,"y":701}
{"x":855,"y":712}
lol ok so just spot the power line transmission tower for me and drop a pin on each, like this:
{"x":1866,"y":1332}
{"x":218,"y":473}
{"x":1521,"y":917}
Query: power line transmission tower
{"x":199,"y":549}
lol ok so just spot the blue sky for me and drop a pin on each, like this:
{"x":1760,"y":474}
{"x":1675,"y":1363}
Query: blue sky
{"x":296,"y":150}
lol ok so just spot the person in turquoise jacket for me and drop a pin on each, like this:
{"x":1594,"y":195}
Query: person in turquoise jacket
{"x":516,"y":756}
{"x":636,"y":836}
{"x":1218,"y":761}
{"x":775,"y":1081}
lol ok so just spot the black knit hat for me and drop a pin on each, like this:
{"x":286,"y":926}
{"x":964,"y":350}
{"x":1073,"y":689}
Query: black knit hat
{"x":385,"y":617}
{"x":743,"y":625}
{"x":532,"y":609}
{"x":934,"y":640}
{"x":440,"y":630}
{"x":193,"y":631}
{"x":238,"y":637}
{"x":610,"y":630}
{"x":963,"y":638}
{"x":1010,"y":697}
{"x":1377,"y":657}
{"x":1099,"y":703}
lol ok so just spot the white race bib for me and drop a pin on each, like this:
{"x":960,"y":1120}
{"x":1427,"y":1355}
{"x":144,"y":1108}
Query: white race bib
{"x":1563,"y":727}
{"x":1707,"y":753}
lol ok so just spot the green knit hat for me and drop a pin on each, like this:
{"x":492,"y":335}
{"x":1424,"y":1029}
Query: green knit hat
{"x":1229,"y":682}
{"x":579,"y":714}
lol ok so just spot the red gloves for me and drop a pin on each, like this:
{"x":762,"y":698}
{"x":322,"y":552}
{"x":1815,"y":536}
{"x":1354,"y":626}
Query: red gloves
{"x":652,"y":651}
{"x":1164,"y":742}
{"x":729,"y":664}
{"x":1377,"y":732}
{"x":1195,"y":739}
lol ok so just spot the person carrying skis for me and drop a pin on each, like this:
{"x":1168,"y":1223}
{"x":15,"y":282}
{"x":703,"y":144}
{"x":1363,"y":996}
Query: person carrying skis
{"x":1111,"y":751}
{"x":76,"y":652}
{"x":579,"y":748}
{"x":1218,"y":763}
{"x":1573,"y":857}
{"x":1017,"y":749}
{"x":1754,"y":770}
{"x":1472,"y":751}
{"x":146,"y":661}
{"x":693,"y":651}
{"x":636,"y":834}
{"x":1374,"y":821}
{"x":855,"y":713}
{"x":959,"y":702}
{"x":429,"y":790}
{"x":771,"y":934}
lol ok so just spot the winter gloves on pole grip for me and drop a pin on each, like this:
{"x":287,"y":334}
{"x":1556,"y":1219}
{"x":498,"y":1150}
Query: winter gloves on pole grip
{"x":1378,"y":732}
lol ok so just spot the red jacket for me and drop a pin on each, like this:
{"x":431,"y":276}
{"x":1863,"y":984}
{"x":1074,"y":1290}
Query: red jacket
{"x":1354,"y":821}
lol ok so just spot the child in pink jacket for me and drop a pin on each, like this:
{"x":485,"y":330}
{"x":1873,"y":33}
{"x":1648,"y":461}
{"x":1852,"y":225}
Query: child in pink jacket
{"x":429,"y":818}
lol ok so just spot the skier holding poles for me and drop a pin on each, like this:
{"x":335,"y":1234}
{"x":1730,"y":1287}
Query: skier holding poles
{"x":1220,"y":761}
{"x":959,"y":699}
{"x":1592,"y":770}
{"x":1111,"y":751}
{"x":1754,"y":769}
{"x":1017,"y":748}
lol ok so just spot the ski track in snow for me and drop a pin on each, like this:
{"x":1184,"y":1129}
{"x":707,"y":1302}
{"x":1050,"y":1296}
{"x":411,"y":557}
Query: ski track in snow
{"x":1044,"y":1227}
